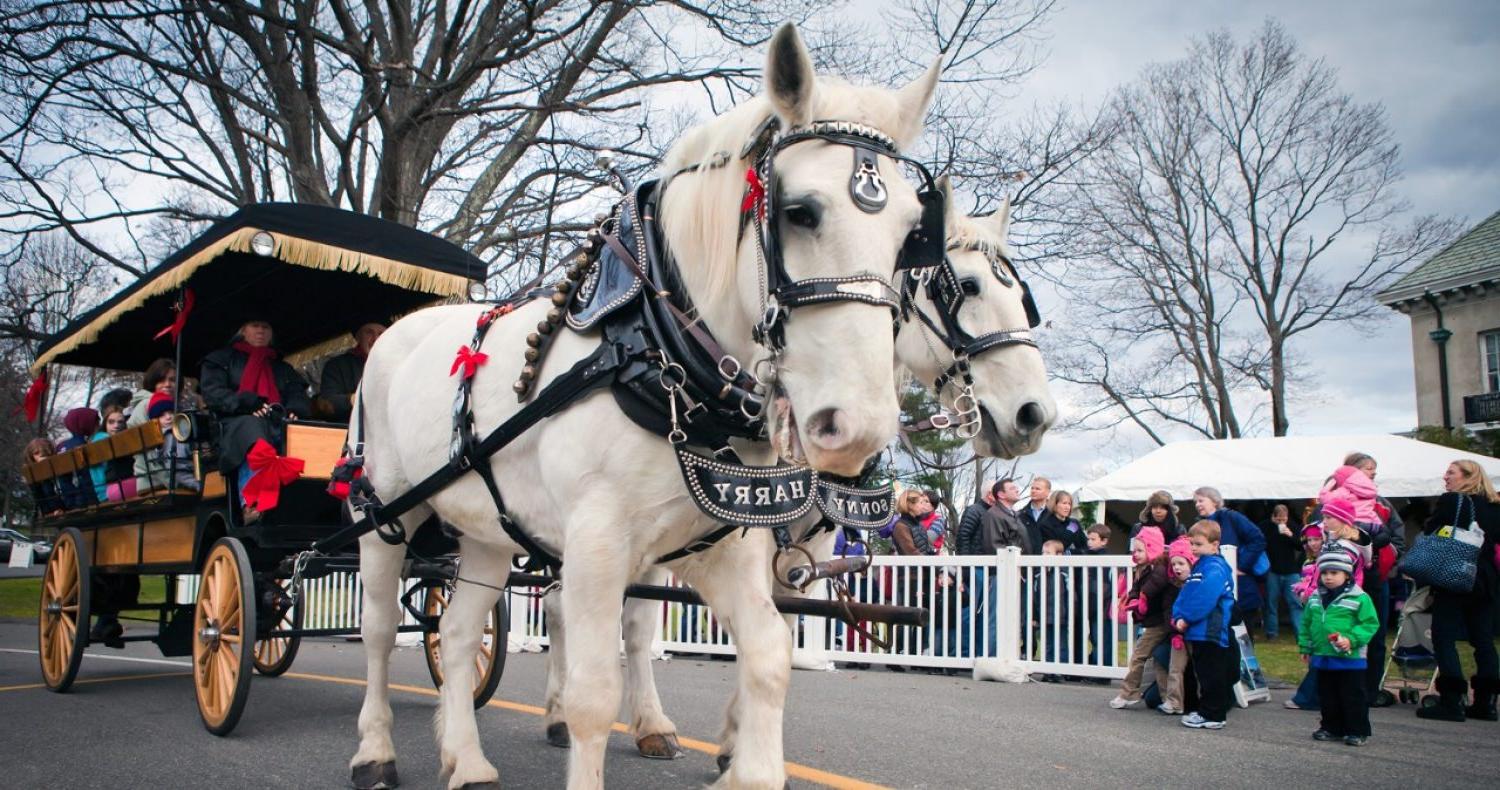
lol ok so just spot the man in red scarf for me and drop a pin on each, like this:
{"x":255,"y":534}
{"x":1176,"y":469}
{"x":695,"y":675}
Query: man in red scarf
{"x":253,"y":393}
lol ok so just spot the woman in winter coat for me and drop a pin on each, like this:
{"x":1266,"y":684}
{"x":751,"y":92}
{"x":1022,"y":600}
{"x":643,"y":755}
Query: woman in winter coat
{"x":253,"y":393}
{"x":1471,"y":498}
{"x":1387,"y":537}
{"x":1236,"y":530}
{"x":910,"y":539}
{"x":1160,"y":512}
{"x":1058,"y":524}
{"x":160,"y":376}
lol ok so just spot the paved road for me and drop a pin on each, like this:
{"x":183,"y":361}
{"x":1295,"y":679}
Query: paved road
{"x":132,"y":723}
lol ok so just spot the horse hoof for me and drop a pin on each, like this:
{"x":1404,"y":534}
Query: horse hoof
{"x":374,"y":776}
{"x":723,"y":762}
{"x":659,"y":747}
{"x":557,"y":734}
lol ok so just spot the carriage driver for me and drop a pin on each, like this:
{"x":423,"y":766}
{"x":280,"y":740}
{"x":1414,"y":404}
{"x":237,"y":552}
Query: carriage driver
{"x":341,"y":374}
{"x":252,"y":393}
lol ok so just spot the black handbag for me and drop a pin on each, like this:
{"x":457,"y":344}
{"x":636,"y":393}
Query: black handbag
{"x":1447,"y":557}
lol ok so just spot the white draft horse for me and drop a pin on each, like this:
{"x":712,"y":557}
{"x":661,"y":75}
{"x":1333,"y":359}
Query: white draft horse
{"x":1009,"y":381}
{"x":605,"y":493}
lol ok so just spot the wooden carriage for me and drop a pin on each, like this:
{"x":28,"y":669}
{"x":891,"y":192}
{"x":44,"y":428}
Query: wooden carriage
{"x":316,"y":272}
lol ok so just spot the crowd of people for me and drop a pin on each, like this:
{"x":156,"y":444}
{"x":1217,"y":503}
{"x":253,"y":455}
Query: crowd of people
{"x":1329,"y":566}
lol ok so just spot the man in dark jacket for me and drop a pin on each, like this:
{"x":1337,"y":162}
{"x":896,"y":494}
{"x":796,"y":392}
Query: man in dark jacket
{"x":969,"y":522}
{"x":341,"y":374}
{"x":252,"y":393}
{"x":1284,"y":548}
{"x":998,"y":528}
{"x":1032,"y":512}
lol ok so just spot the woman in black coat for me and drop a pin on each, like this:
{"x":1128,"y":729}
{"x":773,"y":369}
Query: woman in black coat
{"x":252,"y":393}
{"x":1471,"y":497}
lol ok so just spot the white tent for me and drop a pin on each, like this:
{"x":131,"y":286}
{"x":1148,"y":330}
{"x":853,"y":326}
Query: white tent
{"x":1286,"y":467}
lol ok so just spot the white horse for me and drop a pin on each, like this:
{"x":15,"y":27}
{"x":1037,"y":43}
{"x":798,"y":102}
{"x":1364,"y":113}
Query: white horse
{"x":1008,"y":381}
{"x":606,"y":494}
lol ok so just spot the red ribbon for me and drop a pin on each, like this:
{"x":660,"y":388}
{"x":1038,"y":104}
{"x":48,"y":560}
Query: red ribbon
{"x":469,"y":360}
{"x":183,"y":308}
{"x":339,"y":488}
{"x":35,"y":394}
{"x":269,"y":472}
{"x":755,"y":196}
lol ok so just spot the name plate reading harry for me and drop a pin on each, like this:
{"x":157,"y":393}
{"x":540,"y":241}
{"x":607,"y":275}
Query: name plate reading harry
{"x":752,"y":495}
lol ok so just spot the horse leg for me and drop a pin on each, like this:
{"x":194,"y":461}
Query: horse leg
{"x":738,"y":589}
{"x":655,"y":734}
{"x":484,"y":572}
{"x":592,"y":591}
{"x":374,"y":764}
{"x":557,"y":671}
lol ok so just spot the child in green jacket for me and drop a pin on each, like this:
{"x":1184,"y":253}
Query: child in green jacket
{"x":1337,"y":625}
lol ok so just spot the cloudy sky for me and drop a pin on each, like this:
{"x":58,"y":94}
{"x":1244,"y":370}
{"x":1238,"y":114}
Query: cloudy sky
{"x":1435,"y":66}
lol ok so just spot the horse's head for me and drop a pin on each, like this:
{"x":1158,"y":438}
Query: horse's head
{"x":810,"y":261}
{"x":968,"y":333}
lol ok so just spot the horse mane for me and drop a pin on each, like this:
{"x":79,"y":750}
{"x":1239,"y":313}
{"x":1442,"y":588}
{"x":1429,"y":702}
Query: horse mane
{"x":700,"y":209}
{"x":974,"y":233}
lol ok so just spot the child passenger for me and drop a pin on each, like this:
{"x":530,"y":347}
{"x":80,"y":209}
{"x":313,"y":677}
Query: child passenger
{"x":1201,"y":615}
{"x":169,"y":465}
{"x":1337,"y":625}
{"x":1145,"y":597}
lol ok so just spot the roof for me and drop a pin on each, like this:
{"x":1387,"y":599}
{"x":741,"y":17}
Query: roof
{"x":1284,"y":467}
{"x":1472,"y":257}
{"x":327,"y":270}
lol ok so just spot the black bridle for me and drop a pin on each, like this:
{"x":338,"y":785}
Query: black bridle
{"x":947,"y":291}
{"x":781,"y":293}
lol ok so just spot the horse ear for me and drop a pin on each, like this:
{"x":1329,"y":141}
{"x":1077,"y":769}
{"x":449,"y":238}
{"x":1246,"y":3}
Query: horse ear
{"x":950,"y":211}
{"x":1000,"y":220}
{"x":913,"y":100}
{"x":789,"y":77}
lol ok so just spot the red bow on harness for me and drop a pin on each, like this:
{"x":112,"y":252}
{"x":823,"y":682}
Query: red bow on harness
{"x":183,"y":308}
{"x":269,"y":472}
{"x":755,"y":195}
{"x":35,"y":394}
{"x":342,"y":480}
{"x":469,"y":360}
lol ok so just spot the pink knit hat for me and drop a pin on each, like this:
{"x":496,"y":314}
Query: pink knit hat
{"x":1151,"y":541}
{"x":1180,"y":548}
{"x":1341,"y":509}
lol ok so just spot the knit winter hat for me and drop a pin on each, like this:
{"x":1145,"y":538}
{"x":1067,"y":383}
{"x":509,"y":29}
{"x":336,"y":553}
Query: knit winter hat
{"x":82,"y":421}
{"x":160,"y":404}
{"x":1312,"y":530}
{"x":1180,"y":548}
{"x":1335,"y":558}
{"x":1341,"y":509}
{"x":1151,"y":542}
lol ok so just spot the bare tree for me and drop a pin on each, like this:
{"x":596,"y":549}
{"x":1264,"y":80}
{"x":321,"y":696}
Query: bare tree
{"x":1222,"y":221}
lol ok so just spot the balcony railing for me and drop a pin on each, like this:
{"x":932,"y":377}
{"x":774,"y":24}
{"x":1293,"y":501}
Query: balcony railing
{"x":1480,"y":409}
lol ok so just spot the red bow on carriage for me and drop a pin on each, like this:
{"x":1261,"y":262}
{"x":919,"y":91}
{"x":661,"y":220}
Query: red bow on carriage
{"x":269,"y":472}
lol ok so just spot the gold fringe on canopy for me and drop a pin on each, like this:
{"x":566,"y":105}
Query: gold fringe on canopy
{"x":288,"y":249}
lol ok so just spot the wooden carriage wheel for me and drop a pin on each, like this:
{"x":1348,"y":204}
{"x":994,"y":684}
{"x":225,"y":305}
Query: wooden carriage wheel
{"x":274,"y":656}
{"x":489,"y":663}
{"x":63,"y":622}
{"x":223,"y":636}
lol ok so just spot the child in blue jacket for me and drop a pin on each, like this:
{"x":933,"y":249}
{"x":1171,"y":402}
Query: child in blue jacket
{"x":1201,"y":614}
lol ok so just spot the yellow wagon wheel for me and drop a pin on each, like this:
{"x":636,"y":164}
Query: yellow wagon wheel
{"x":63,"y":624}
{"x":274,"y":655}
{"x":223,"y":636}
{"x":489,"y":663}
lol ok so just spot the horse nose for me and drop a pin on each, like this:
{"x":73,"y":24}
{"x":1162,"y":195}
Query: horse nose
{"x":828,"y":430}
{"x":1031,"y":417}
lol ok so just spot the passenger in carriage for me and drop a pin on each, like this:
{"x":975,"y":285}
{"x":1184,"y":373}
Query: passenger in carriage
{"x":253,"y":393}
{"x":78,"y":488}
{"x":341,"y":374}
{"x":161,"y":376}
{"x":47,"y":499}
{"x":169,"y":465}
{"x":114,"y":480}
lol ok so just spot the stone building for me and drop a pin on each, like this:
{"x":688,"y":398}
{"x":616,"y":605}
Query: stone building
{"x":1453,"y":301}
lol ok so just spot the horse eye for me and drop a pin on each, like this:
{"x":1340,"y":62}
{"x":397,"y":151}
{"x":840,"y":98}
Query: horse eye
{"x":802,"y":215}
{"x":970,"y":286}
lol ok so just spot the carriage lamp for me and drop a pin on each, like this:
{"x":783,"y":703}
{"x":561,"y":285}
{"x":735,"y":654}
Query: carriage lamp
{"x":263,"y":243}
{"x":477,"y":291}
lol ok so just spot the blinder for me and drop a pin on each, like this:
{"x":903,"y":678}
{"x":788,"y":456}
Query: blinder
{"x":922,"y":247}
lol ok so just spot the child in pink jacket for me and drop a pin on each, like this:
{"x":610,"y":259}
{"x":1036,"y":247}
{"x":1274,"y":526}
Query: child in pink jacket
{"x":1349,"y":483}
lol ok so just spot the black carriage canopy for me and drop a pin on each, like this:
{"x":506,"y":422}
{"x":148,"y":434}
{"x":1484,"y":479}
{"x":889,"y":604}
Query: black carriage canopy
{"x":314,"y":272}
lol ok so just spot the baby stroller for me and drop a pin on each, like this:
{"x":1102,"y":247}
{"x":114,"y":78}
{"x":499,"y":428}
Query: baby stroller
{"x":1413,"y":660}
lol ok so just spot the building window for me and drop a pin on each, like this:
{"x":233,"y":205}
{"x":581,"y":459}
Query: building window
{"x":1489,"y":351}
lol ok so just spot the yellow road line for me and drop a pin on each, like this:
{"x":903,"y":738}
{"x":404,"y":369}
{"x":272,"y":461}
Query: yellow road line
{"x":112,"y":679}
{"x":794,"y":770}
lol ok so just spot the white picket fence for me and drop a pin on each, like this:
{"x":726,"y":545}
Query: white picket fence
{"x":1053,"y":614}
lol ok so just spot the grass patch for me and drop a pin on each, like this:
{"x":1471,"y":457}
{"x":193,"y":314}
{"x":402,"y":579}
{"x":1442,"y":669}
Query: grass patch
{"x":21,"y":597}
{"x":1280,"y":659}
